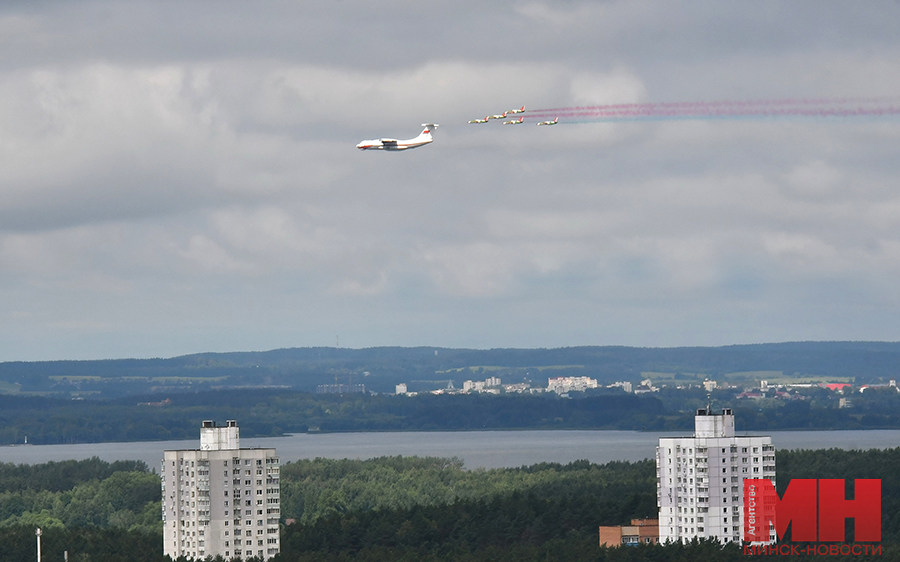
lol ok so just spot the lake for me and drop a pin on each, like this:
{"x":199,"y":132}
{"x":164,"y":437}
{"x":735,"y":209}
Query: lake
{"x":478,"y":449}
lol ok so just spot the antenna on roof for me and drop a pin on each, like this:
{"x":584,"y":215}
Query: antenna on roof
{"x":708,"y":403}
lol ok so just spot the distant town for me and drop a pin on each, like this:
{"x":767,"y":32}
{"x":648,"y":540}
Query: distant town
{"x":563,"y":386}
{"x":807,"y":385}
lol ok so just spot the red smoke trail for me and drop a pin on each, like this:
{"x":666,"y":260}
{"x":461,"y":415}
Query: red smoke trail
{"x":801,"y":107}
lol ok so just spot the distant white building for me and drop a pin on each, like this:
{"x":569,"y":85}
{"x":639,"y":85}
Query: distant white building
{"x":220,"y":499}
{"x":400,"y":388}
{"x":645,"y":387}
{"x":624,"y":385}
{"x":490,"y":384}
{"x":518,"y":388}
{"x":709,"y":385}
{"x":470,"y":386}
{"x":700,"y":479}
{"x":562,"y":385}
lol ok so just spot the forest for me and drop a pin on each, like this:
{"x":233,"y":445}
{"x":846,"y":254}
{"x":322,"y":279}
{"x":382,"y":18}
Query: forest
{"x":272,"y":412}
{"x":399,"y":508}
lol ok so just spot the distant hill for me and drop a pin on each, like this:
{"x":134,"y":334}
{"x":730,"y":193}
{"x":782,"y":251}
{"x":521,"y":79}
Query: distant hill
{"x":380,"y":368}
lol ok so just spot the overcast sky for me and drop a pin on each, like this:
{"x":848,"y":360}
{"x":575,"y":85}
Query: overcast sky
{"x":178,"y":177}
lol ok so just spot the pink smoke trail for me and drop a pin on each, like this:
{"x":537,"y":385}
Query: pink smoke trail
{"x":725,"y":109}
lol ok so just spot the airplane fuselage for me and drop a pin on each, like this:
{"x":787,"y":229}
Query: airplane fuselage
{"x":394,"y":144}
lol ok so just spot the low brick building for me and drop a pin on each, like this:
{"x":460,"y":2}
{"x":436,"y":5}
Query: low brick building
{"x":640,"y":531}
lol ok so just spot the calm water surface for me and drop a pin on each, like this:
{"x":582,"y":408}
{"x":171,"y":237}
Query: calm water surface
{"x":479,"y":449}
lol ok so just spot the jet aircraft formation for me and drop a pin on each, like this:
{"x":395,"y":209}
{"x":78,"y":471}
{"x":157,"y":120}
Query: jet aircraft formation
{"x":518,"y":121}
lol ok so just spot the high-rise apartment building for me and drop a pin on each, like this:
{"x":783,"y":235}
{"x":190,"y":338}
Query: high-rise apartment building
{"x":221,"y":499}
{"x":700,"y":479}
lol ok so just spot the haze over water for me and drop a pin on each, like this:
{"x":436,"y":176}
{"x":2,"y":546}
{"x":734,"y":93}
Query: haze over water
{"x":479,"y":449}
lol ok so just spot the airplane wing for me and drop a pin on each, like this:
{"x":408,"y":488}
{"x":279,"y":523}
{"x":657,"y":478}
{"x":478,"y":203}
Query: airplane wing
{"x":389,"y":141}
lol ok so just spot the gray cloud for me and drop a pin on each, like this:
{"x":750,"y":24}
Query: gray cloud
{"x":176,"y":178}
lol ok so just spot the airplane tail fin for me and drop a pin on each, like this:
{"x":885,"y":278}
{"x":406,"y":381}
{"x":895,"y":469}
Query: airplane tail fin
{"x":429,"y":128}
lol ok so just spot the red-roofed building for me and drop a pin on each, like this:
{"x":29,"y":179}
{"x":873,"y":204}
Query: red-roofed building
{"x":640,"y":531}
{"x":836,"y":386}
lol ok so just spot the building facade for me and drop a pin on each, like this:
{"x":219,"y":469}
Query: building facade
{"x":561,"y":385}
{"x":221,"y":499}
{"x":700,"y":479}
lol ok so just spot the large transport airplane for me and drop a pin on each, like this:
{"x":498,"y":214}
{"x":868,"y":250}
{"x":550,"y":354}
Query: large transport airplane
{"x":394,"y":144}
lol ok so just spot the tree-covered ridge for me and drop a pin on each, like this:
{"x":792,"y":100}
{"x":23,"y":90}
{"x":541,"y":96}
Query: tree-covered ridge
{"x":268,"y":412}
{"x":381,"y":368}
